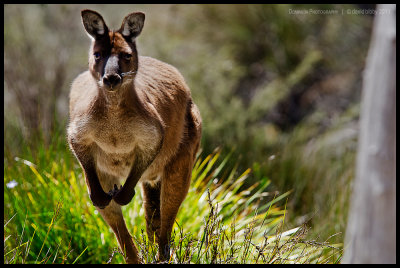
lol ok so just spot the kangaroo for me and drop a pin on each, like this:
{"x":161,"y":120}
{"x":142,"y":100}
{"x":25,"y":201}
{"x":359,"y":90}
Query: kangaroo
{"x":132,"y":119}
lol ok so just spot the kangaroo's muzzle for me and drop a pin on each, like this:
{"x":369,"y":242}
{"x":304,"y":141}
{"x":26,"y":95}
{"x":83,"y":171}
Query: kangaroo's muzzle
{"x":112,"y":79}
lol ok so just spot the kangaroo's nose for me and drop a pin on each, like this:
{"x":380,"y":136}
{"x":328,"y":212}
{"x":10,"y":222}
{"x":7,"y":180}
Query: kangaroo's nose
{"x":112,"y":80}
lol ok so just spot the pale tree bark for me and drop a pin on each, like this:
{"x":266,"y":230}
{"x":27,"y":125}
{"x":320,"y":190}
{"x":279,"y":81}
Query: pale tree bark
{"x":371,"y":229}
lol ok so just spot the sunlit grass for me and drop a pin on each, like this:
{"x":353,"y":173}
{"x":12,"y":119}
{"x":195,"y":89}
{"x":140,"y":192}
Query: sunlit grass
{"x":49,"y":218}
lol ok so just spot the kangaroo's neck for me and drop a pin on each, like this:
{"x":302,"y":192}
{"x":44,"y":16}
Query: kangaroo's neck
{"x":125,"y":95}
{"x":126,"y":98}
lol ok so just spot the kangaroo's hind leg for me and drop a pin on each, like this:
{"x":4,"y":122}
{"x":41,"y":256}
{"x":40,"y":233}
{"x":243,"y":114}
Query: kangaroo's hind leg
{"x":151,"y":201}
{"x":112,"y":214}
{"x":174,"y":187}
{"x":175,"y":181}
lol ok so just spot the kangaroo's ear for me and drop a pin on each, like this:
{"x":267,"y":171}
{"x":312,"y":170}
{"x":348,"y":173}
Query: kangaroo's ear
{"x":132,"y":25}
{"x":94,"y":23}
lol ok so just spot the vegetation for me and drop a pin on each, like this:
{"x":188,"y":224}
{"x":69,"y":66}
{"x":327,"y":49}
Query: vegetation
{"x":278,"y":93}
{"x":217,"y":223}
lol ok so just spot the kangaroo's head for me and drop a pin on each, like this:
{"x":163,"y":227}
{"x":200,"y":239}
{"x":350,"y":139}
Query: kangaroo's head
{"x":113,"y":58}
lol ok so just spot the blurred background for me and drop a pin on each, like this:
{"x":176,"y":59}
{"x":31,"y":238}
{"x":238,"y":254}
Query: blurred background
{"x":279,"y":91}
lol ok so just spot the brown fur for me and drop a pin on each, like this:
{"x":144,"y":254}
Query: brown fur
{"x":139,"y":127}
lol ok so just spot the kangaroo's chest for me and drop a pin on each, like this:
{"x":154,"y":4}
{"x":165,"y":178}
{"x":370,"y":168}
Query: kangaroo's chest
{"x":118,"y":138}
{"x":115,"y":137}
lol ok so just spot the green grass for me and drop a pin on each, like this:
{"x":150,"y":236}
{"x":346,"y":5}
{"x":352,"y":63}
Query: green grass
{"x":48,"y":217}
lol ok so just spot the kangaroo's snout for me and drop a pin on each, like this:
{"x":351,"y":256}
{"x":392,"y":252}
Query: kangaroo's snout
{"x":112,"y":80}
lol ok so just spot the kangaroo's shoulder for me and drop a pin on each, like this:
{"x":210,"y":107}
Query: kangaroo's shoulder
{"x":149,"y":62}
{"x":83,"y":91}
{"x":161,"y":79}
{"x":158,"y":70}
{"x":84,"y":80}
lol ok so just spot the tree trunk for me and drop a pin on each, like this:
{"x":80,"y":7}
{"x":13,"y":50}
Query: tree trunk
{"x":371,"y":229}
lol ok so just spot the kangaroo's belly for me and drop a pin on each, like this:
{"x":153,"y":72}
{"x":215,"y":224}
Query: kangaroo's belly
{"x":115,"y":164}
{"x":115,"y":151}
{"x":115,"y":143}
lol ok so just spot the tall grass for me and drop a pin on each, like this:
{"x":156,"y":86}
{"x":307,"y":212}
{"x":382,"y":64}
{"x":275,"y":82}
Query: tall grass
{"x":48,"y":217}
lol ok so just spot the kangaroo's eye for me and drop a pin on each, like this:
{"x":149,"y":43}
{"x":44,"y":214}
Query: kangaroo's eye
{"x":96,"y":56}
{"x":127,"y":56}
